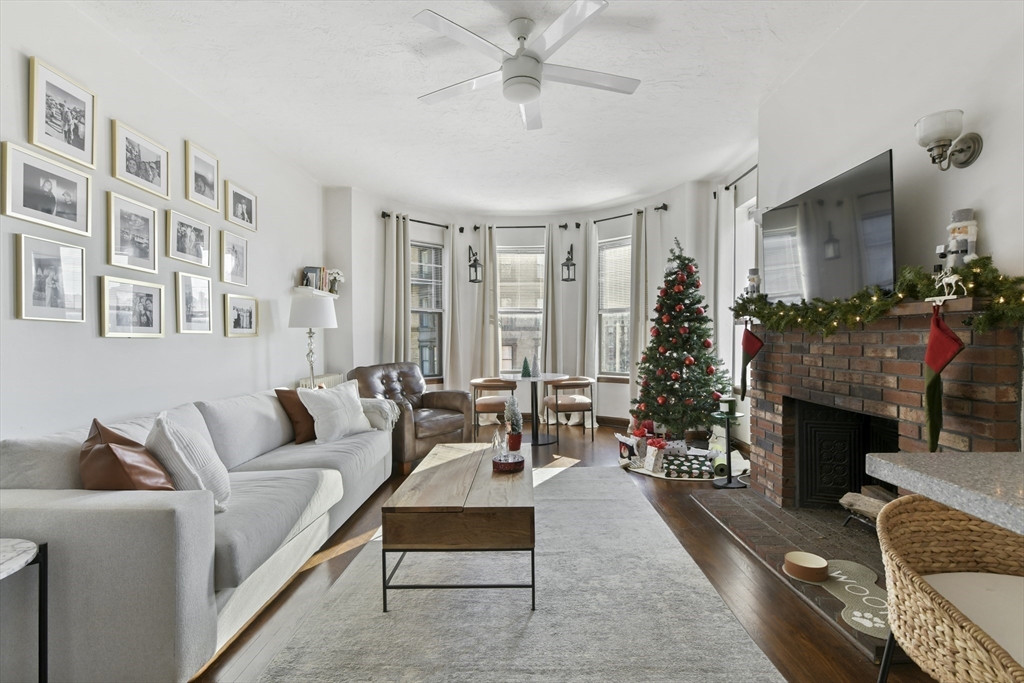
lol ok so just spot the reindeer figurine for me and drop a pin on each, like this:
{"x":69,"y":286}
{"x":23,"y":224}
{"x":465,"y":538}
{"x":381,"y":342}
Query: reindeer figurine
{"x":949,"y":281}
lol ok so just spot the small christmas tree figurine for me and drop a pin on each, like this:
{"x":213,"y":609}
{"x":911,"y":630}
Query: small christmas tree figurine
{"x":526,"y":368}
{"x":680,"y":377}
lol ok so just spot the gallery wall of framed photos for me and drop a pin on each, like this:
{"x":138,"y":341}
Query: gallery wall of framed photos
{"x":150,"y":221}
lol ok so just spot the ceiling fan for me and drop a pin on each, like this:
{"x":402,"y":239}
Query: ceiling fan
{"x":523,"y":73}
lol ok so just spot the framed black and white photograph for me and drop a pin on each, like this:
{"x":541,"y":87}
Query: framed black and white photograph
{"x":202,"y":176}
{"x":131,"y":227}
{"x":195,"y":304}
{"x":61,"y":115}
{"x":239,"y":206}
{"x":51,"y":280}
{"x":188,"y":239}
{"x":241,"y":316}
{"x":132,"y":308}
{"x":45,"y":192}
{"x":139,"y":161}
{"x":234,"y":259}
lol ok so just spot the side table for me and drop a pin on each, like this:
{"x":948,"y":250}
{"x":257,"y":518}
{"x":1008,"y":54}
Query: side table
{"x":727,"y":482}
{"x":15,"y":555}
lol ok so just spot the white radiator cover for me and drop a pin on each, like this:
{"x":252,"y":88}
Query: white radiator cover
{"x":331,"y":380}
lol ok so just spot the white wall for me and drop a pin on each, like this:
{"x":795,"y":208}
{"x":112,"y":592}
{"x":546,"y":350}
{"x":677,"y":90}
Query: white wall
{"x":860,"y":94}
{"x":60,"y":375}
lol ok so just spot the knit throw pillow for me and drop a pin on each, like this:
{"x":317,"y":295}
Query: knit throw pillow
{"x":190,"y":459}
{"x":336,"y":412}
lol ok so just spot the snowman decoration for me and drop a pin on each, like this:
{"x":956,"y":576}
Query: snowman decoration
{"x":963,"y":239}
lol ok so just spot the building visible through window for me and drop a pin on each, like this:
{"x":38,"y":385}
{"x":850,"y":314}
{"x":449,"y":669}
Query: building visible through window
{"x":427,"y":282}
{"x":521,"y":298}
{"x":613,"y":305}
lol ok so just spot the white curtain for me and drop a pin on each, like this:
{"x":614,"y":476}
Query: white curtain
{"x":638,"y":324}
{"x":488,"y":357}
{"x":551,"y":340}
{"x":587,"y":342}
{"x":452,"y":357}
{"x":725,"y":233}
{"x":397,"y":294}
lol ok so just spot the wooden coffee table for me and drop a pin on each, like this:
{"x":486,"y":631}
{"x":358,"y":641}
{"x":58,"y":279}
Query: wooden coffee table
{"x":453,"y":502}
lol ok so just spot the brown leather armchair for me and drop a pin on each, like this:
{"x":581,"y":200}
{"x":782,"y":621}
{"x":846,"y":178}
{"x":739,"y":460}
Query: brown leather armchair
{"x":427,"y":417}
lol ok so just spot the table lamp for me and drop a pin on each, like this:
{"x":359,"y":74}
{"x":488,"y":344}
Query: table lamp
{"x":309,"y":311}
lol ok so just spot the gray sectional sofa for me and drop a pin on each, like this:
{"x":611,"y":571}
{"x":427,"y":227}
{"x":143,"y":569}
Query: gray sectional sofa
{"x":149,"y":585}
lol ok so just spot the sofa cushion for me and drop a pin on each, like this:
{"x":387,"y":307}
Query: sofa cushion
{"x":246,"y":426}
{"x":51,"y":461}
{"x":190,"y":459}
{"x":111,"y":462}
{"x":302,"y":421}
{"x":435,"y":421}
{"x":267,"y":510}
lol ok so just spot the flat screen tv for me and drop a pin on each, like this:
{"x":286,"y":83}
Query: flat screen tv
{"x":834,"y":240}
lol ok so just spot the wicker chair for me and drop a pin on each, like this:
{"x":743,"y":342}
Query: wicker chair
{"x":492,"y":405}
{"x":575,"y":403}
{"x":920,"y":537}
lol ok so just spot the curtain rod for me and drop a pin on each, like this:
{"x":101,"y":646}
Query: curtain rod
{"x":663,"y":207}
{"x":748,"y":172}
{"x":518,"y":227}
{"x":385,"y":214}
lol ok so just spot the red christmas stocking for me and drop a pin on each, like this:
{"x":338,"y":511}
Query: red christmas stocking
{"x":751,"y":345}
{"x":943,"y":346}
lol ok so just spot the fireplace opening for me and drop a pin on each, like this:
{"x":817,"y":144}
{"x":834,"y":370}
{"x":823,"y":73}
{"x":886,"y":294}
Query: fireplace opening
{"x":831,"y":445}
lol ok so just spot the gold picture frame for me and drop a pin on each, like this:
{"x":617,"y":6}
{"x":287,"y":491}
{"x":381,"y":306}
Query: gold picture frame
{"x":133,"y":309}
{"x":229,"y":261}
{"x":208,"y":177}
{"x":182,"y":303}
{"x":41,"y":281}
{"x":125,"y":174}
{"x":15,"y":175}
{"x":234,"y":327}
{"x":48,"y":108}
{"x":193,"y":224}
{"x":240,"y":206}
{"x":118,"y":252}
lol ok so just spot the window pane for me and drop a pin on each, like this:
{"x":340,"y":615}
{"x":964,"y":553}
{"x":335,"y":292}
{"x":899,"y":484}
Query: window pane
{"x":782,"y":279}
{"x":520,"y":338}
{"x":426,"y":296}
{"x":614,"y":343}
{"x":521,"y":278}
{"x":613,"y":274}
{"x":427,"y":302}
{"x":426,"y":342}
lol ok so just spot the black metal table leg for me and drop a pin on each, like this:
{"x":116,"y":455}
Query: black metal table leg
{"x":384,"y":577}
{"x":883,"y":669}
{"x":41,"y":559}
{"x":533,"y":583}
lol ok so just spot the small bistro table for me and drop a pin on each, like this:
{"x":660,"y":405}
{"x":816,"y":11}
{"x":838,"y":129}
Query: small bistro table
{"x":15,"y":555}
{"x":535,"y":437}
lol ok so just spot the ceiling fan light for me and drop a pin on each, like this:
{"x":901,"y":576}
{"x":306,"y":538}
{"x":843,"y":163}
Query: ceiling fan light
{"x":521,"y":89}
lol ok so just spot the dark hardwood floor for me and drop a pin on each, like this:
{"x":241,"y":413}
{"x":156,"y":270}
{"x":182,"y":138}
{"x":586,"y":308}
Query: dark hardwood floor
{"x":799,"y":643}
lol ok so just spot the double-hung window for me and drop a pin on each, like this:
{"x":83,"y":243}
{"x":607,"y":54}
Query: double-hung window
{"x":613,"y":265}
{"x":521,"y":299}
{"x":427,"y":280}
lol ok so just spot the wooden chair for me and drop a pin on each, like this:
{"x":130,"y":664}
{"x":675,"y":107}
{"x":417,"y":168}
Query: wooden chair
{"x":491,"y":405}
{"x":574,"y":403}
{"x":939,"y":561}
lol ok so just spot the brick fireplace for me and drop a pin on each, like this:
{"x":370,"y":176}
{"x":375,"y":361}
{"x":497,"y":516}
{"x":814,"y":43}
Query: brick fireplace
{"x":878,"y":370}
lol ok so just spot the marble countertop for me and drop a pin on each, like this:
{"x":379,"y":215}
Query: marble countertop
{"x":15,"y":554}
{"x":989,"y":486}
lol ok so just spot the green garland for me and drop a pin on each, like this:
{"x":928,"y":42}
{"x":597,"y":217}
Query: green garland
{"x":1005,"y":305}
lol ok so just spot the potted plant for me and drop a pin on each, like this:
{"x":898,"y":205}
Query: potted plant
{"x":513,"y":424}
{"x":334,"y":278}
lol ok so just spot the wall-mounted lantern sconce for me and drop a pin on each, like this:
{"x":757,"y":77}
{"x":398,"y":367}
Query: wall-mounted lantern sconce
{"x":937,"y":132}
{"x":568,"y":268}
{"x":475,"y":268}
{"x":831,"y":245}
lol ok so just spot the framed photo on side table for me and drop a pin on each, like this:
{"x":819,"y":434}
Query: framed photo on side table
{"x":131,"y":308}
{"x":234,"y":259}
{"x":202,"y":177}
{"x":61,"y":115}
{"x":139,"y":161}
{"x":131,"y":231}
{"x":195,"y":303}
{"x":188,"y":239}
{"x":51,"y":280}
{"x":241,"y":316}
{"x":239,"y":206}
{"x":46,"y":192}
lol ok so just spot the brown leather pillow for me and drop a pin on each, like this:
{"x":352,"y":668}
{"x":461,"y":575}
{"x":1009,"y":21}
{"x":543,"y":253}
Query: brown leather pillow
{"x":302,"y":421}
{"x":111,"y":462}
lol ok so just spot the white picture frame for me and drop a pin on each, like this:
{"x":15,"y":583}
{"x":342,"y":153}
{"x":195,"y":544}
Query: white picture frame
{"x":51,"y":280}
{"x":202,"y":177}
{"x":234,"y":259}
{"x":61,"y":115}
{"x":194,"y":302}
{"x":188,"y":239}
{"x":139,"y":161}
{"x":46,"y":192}
{"x":241,"y":316}
{"x":131,"y":308}
{"x":240,"y":206}
{"x":131,"y":234}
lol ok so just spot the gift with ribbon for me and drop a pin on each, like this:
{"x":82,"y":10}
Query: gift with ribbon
{"x":653,"y":458}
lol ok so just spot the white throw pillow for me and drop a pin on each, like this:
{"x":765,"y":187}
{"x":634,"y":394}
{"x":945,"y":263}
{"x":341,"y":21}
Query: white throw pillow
{"x":190,"y":460}
{"x":336,"y":412}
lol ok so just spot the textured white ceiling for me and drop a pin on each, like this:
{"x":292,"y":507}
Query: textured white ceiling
{"x":332,"y":86}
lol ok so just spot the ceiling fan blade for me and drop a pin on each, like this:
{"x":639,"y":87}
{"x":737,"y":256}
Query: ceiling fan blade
{"x":462,"y":88}
{"x":457,"y":33}
{"x":564,"y":27}
{"x":531,"y":115}
{"x":590,"y":79}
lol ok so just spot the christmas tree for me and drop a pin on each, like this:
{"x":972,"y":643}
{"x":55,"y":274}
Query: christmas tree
{"x":680,"y":377}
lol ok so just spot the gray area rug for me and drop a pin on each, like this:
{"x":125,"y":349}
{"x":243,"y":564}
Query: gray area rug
{"x":618,"y":599}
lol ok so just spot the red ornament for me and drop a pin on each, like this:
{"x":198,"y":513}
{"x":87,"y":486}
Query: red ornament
{"x":660,"y":372}
{"x":716,"y":395}
{"x":675,"y":376}
{"x":680,"y":277}
{"x":657,"y":307}
{"x":679,"y":308}
{"x":690,"y":269}
{"x":689,"y":360}
{"x":642,"y":407}
{"x":697,"y":284}
{"x":643,"y":358}
{"x":710,"y":370}
{"x":662,"y":292}
{"x":688,"y":401}
{"x":684,"y":330}
{"x":673,"y":340}
{"x":665,"y":318}
{"x":707,"y":344}
{"x":700,"y":310}
{"x":677,"y":289}
{"x":645,"y":383}
{"x":661,"y":400}
{"x":662,"y":349}
{"x":655,"y":331}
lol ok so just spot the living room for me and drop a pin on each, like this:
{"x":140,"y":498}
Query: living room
{"x":353,"y":214}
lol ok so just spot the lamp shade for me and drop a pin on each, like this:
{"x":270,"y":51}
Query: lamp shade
{"x":312,"y":311}
{"x":942,"y":125}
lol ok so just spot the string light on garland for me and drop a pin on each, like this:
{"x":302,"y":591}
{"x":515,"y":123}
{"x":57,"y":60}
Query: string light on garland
{"x":998,"y":295}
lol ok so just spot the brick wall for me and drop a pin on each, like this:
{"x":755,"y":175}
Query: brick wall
{"x":878,"y":369}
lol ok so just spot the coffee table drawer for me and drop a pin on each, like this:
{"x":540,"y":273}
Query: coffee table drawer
{"x":504,"y":529}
